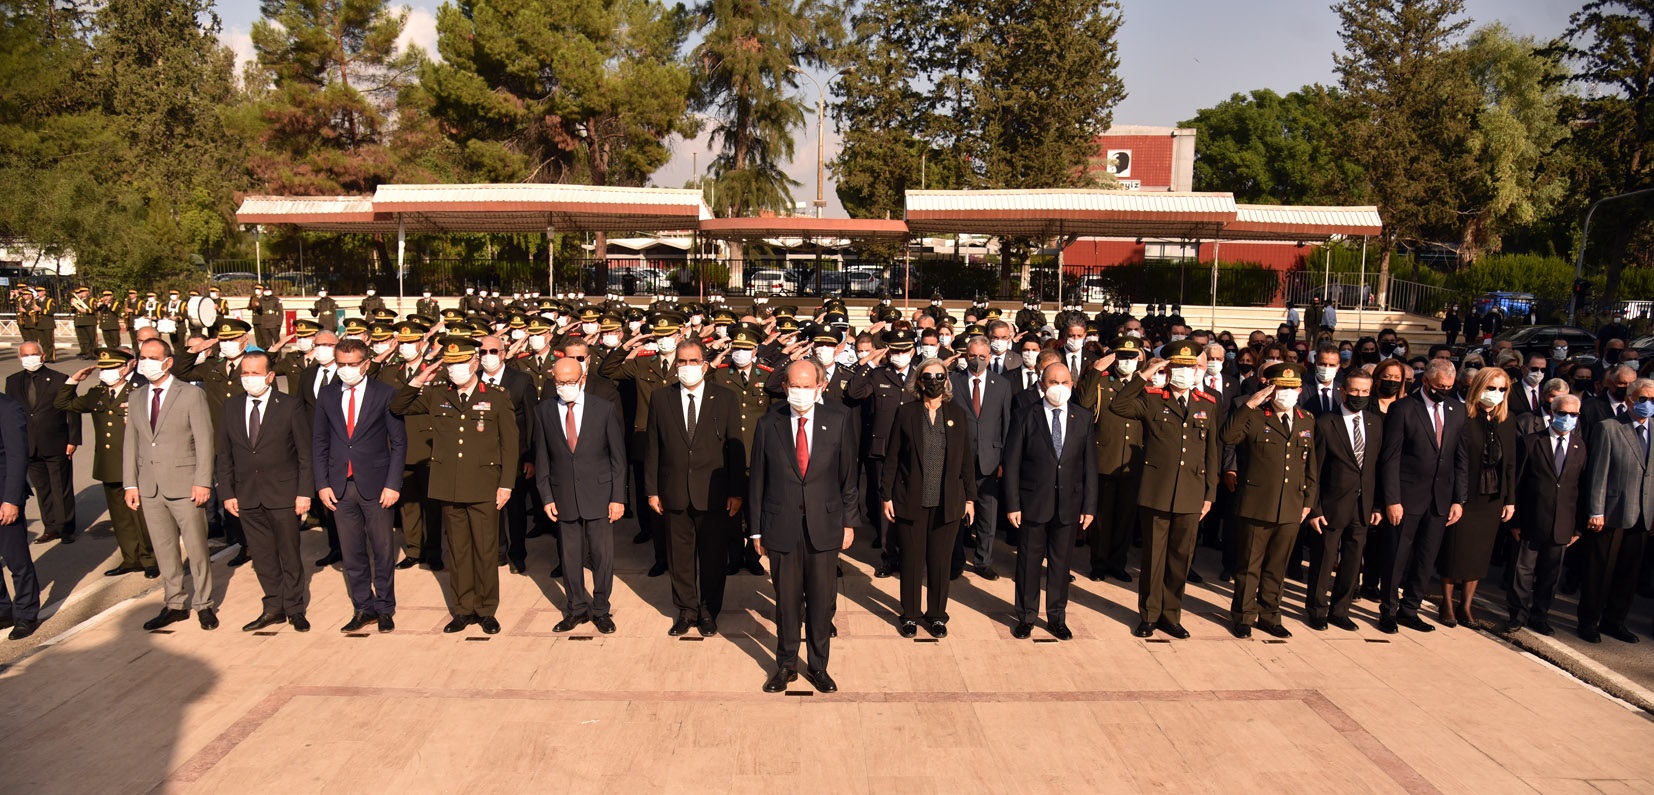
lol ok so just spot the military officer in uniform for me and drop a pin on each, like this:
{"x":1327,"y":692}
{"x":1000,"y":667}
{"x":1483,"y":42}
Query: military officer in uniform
{"x":1119,"y":459}
{"x":474,"y":463}
{"x":539,"y":358}
{"x":86,"y":321}
{"x":132,"y":308}
{"x":372,"y":303}
{"x":879,"y":415}
{"x":1030,"y":316}
{"x":648,"y":371}
{"x":1275,"y":443}
{"x":426,"y":305}
{"x":269,"y":319}
{"x":291,"y":363}
{"x":45,"y":327}
{"x":325,"y":311}
{"x":108,"y":319}
{"x":106,"y":403}
{"x":747,"y":379}
{"x":1180,"y":477}
{"x":420,"y":516}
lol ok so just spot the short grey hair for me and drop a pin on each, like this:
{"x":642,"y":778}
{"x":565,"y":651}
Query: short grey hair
{"x":1558,"y":402}
{"x":1638,"y":386}
{"x":1555,"y":386}
{"x":1625,"y":368}
{"x":1435,"y":366}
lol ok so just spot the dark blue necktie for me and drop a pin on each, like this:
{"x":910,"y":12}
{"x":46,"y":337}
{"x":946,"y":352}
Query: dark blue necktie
{"x":1056,"y":430}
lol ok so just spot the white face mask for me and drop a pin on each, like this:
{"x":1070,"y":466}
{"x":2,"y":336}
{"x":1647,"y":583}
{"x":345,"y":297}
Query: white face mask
{"x":1178,"y":337}
{"x":427,"y":293}
{"x":268,"y":293}
{"x":1285,"y":399}
{"x":1030,"y":359}
{"x":380,"y":347}
{"x":1125,"y":366}
{"x":1534,"y":377}
{"x":611,"y":340}
{"x":944,"y":340}
{"x":1074,"y":344}
{"x":666,"y":344}
{"x":999,"y":346}
{"x":408,"y":350}
{"x":1138,"y":333}
{"x":1214,"y":366}
{"x":324,"y":354}
{"x":1182,"y":377}
{"x":321,"y":293}
{"x":152,"y":369}
{"x":517,"y":334}
{"x":588,"y":329}
{"x":690,"y":374}
{"x":1325,"y":373}
{"x":304,"y":344}
{"x":568,"y":393}
{"x":30,"y":363}
{"x":900,"y":361}
{"x":927,"y":351}
{"x":802,"y":398}
{"x":491,"y":362}
{"x":459,"y":374}
{"x":255,"y":385}
{"x":846,"y":357}
{"x":537,"y":343}
{"x":740,"y":357}
{"x":1491,"y":398}
{"x":229,"y":349}
{"x":825,"y":354}
{"x":634,"y":325}
{"x":1057,"y":394}
{"x":350,"y":374}
{"x":110,"y":377}
{"x":371,"y":291}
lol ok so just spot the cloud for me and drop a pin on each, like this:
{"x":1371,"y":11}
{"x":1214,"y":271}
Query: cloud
{"x":420,"y":31}
{"x":240,"y":42}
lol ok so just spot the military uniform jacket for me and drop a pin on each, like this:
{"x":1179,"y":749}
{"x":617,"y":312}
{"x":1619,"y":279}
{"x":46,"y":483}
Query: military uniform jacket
{"x":107,"y":405}
{"x":1119,"y":439}
{"x":889,"y":393}
{"x":474,"y":450}
{"x":647,"y":372}
{"x":326,"y":310}
{"x":427,"y":307}
{"x":108,"y":315}
{"x":269,"y":313}
{"x":755,"y":399}
{"x":1180,"y":446}
{"x":219,"y":378}
{"x":83,"y":312}
{"x":372,"y":304}
{"x":420,"y":436}
{"x":48,"y":311}
{"x":538,"y":366}
{"x":1278,"y":480}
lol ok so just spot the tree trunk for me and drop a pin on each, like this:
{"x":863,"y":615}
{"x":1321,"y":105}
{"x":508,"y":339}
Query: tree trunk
{"x":1614,"y":259}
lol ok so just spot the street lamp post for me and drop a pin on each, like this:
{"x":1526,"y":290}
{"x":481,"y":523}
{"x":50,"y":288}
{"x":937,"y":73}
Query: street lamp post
{"x":821,"y":136}
{"x":1584,"y":238}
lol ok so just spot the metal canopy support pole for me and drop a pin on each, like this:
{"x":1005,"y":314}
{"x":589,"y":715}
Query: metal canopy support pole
{"x":907,"y":275}
{"x":1361,"y":292}
{"x":1217,"y":246}
{"x":401,"y":258}
{"x":258,"y":252}
{"x":551,"y":270}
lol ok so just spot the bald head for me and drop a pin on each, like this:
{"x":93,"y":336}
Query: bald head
{"x":804,"y":374}
{"x":29,"y":349}
{"x":568,"y":372}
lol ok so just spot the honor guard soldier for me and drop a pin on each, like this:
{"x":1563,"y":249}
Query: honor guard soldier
{"x":86,"y":321}
{"x":1030,"y":316}
{"x":269,"y":319}
{"x":106,"y":403}
{"x":1180,"y":476}
{"x":326,"y":311}
{"x":1119,"y":459}
{"x":426,"y":305}
{"x":1275,"y":441}
{"x":132,"y":308}
{"x":108,"y":319}
{"x":473,"y":468}
{"x":372,"y":303}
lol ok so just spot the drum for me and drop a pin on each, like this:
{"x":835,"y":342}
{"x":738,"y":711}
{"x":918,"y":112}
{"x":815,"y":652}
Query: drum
{"x":142,"y":322}
{"x":202,"y":311}
{"x":166,"y":325}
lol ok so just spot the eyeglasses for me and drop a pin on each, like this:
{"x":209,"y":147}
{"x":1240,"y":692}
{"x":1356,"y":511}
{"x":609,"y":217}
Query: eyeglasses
{"x":490,"y":350}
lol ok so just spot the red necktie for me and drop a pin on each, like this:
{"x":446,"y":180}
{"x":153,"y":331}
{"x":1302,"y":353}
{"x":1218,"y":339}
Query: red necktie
{"x":350,"y":429}
{"x":976,"y":396}
{"x":568,"y":428}
{"x":154,"y":408}
{"x":803,"y":445}
{"x":1438,"y":419}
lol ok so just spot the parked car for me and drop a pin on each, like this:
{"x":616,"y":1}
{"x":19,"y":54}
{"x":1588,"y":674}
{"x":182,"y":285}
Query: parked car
{"x":770,"y":281}
{"x":235,"y":276}
{"x":1518,"y":307}
{"x":1537,"y":339}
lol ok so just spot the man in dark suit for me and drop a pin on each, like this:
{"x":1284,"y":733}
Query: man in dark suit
{"x":1527,"y":391}
{"x":1419,"y":490}
{"x":879,"y":414}
{"x":1321,"y":396}
{"x":1347,"y":445}
{"x":1619,"y":504}
{"x":1550,"y":466}
{"x":580,"y":471}
{"x":1119,"y":459}
{"x":695,"y":475}
{"x":648,"y":369}
{"x":1050,"y":492}
{"x":1075,"y":356}
{"x":421,"y":518}
{"x":805,"y":497}
{"x":524,"y":397}
{"x":360,"y":449}
{"x":1538,"y":421}
{"x":1612,"y":403}
{"x":54,"y":435}
{"x":22,"y":600}
{"x":264,"y":477}
{"x":986,"y":399}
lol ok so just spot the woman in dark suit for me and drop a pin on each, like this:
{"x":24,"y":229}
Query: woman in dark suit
{"x":1486,"y":469}
{"x":928,"y":490}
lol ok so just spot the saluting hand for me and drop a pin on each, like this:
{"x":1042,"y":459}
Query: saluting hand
{"x":1103,"y":363}
{"x":81,"y":374}
{"x":1260,"y":396}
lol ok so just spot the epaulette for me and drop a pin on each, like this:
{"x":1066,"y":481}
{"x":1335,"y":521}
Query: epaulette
{"x":1199,"y":395}
{"x":1156,"y":391}
{"x":724,"y":366}
{"x":558,"y":354}
{"x":766,"y":368}
{"x":646,"y":352}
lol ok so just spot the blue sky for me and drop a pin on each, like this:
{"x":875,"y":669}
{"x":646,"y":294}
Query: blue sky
{"x":1176,"y":56}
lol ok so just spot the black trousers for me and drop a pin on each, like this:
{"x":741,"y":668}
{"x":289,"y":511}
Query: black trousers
{"x":585,"y":539}
{"x":112,"y":337}
{"x":1612,"y":556}
{"x":806,"y":592}
{"x":1412,"y":556}
{"x":273,"y":541}
{"x":1116,"y":521}
{"x":650,"y":522}
{"x":1538,"y":568}
{"x":367,"y":547}
{"x":928,"y":563}
{"x":1264,"y":552}
{"x":22,"y":602}
{"x":984,"y":529}
{"x":1050,"y":543}
{"x":890,"y":542}
{"x":1335,"y":564}
{"x":514,"y":525}
{"x":421,"y":518}
{"x":52,"y":479}
{"x":695,"y":557}
{"x":1168,"y":549}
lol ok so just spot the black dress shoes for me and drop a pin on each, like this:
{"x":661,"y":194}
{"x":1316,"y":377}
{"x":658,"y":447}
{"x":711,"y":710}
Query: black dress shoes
{"x":908,"y":629}
{"x":1120,"y":574}
{"x":6,"y":622}
{"x":1415,"y":623}
{"x":1542,"y":627}
{"x":1590,"y":635}
{"x":1022,"y":630}
{"x":884,"y":572}
{"x":328,"y":560}
{"x":48,"y":537}
{"x":152,"y":572}
{"x":987,"y":573}
{"x":755,"y":568}
{"x":642,"y":537}
{"x":1096,"y":575}
{"x":489,"y":625}
{"x":120,"y":570}
{"x":604,"y":625}
{"x":266,"y":620}
{"x":1276,"y":631}
{"x":435,"y":565}
{"x":208,"y":618}
{"x":778,"y":681}
{"x":680,"y":626}
{"x":359,"y":621}
{"x":1239,"y":630}
{"x":1388,"y":625}
{"x":1143,"y":630}
{"x":299,"y":622}
{"x":657,"y":570}
{"x":1620,"y":633}
{"x":516,"y":569}
{"x":1175,"y":630}
{"x":1318,"y":624}
{"x":557,"y":571}
{"x":407,"y":563}
{"x":240,"y":559}
{"x":937,"y":629}
{"x":732,"y":568}
{"x":822,"y":681}
{"x":1061,"y":632}
{"x":569,"y":624}
{"x":387,"y":624}
{"x":1194,"y":578}
{"x":458,"y":624}
{"x":708,"y":626}
{"x":23,"y":629}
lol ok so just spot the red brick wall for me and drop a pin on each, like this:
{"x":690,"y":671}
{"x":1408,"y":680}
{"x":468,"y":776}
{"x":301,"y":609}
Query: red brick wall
{"x":1151,"y":158}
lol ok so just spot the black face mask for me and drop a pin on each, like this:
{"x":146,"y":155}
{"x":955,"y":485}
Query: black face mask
{"x":1389,"y":389}
{"x":1359,"y":403}
{"x":1387,"y":348}
{"x":1368,"y":357}
{"x":1439,"y":395}
{"x":932,"y":385}
{"x":1618,"y":393}
{"x":1582,"y":386}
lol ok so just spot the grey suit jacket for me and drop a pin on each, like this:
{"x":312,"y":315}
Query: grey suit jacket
{"x":178,"y":454}
{"x":1619,"y":480}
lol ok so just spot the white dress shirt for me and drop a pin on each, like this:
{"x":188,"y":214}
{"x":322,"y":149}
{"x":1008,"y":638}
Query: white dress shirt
{"x":263,"y":409}
{"x":1352,"y":419}
{"x":699,"y":392}
{"x":324,"y":375}
{"x":809,"y":425}
{"x":578,"y":407}
{"x":361,"y":390}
